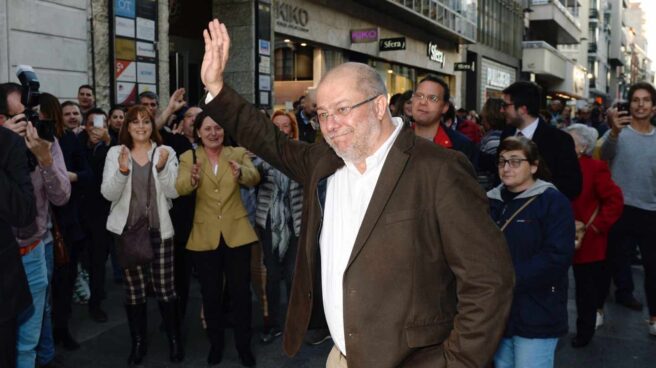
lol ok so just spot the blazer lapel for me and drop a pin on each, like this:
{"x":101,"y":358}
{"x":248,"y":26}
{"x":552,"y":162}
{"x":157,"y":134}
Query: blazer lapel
{"x":389,"y":176}
{"x":206,"y":166}
{"x":224,"y":166}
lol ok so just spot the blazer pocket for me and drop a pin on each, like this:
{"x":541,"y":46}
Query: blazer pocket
{"x":403,"y":215}
{"x":430,"y":334}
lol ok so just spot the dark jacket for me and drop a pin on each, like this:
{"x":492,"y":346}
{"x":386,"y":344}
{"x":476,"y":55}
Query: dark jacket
{"x":462,"y":144}
{"x":423,"y":287}
{"x":306,"y":132}
{"x":17,"y":209}
{"x":68,"y":215}
{"x":182,"y":212}
{"x":541,"y":243}
{"x":557,"y":149}
{"x":94,"y":208}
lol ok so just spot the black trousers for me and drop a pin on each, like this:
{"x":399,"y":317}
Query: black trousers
{"x":235,"y":264}
{"x":635,"y":226}
{"x":8,"y":331}
{"x":589,"y":292}
{"x":99,"y":243}
{"x":182,"y":269}
{"x":63,"y":283}
{"x":277,"y":270}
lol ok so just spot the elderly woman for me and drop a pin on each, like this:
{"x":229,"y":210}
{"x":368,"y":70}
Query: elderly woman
{"x":278,"y":216}
{"x":538,"y":223}
{"x":598,"y":207}
{"x":139,"y":180}
{"x":221,"y":236}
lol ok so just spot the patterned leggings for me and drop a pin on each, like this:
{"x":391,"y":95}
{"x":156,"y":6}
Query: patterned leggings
{"x":159,"y":275}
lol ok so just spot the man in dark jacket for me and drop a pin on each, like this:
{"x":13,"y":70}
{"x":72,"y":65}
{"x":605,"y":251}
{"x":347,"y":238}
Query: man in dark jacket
{"x":522,"y":106}
{"x":429,"y":103}
{"x":406,"y":280}
{"x":304,"y":116}
{"x":17,"y":208}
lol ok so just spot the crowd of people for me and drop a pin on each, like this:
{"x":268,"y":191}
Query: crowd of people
{"x":372,"y":214}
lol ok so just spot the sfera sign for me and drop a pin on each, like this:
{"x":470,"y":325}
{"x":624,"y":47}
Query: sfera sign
{"x":364,"y":35}
{"x":434,"y":53}
{"x":392,"y":44}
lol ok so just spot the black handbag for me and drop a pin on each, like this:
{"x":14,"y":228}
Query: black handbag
{"x":135,"y":244}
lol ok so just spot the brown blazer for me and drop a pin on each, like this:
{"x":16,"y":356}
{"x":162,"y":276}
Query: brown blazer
{"x":219,"y":211}
{"x":429,"y":282}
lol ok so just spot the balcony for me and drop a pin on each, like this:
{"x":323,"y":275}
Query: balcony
{"x":553,"y":23}
{"x":455,"y":21}
{"x":592,"y":47}
{"x":540,"y":58}
{"x":594,"y":14}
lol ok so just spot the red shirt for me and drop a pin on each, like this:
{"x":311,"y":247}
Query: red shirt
{"x":442,"y":138}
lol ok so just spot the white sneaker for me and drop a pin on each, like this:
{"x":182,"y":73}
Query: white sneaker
{"x":652,"y":328}
{"x":600,"y":321}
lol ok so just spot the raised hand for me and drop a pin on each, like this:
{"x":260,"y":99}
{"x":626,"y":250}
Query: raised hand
{"x":163,"y":157}
{"x":124,"y":159}
{"x":176,"y":102}
{"x":235,"y":167}
{"x":195,"y":175}
{"x":217,"y":46}
{"x":17,"y":124}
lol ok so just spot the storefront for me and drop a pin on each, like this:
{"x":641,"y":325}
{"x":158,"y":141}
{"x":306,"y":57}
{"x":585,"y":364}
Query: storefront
{"x":311,"y":39}
{"x":495,"y":77}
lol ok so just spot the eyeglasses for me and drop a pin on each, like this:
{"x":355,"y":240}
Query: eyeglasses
{"x":429,"y":98}
{"x":342,"y":111}
{"x":513,"y":162}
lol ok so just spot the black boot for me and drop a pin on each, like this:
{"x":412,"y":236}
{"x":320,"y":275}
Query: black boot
{"x":171,"y":318}
{"x":216,"y":345}
{"x":137,"y":322}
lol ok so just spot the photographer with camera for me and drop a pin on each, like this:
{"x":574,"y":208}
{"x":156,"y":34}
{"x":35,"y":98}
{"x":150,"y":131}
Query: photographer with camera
{"x":630,"y":147}
{"x":51,"y":185}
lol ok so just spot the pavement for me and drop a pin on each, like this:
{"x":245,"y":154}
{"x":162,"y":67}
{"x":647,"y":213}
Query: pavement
{"x":623,"y":341}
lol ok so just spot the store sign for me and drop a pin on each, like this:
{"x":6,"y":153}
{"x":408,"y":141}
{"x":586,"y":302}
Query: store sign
{"x":497,"y":78}
{"x":434,"y":53}
{"x":291,"y":16}
{"x":364,"y":35}
{"x":392,"y":44}
{"x":465,"y":67}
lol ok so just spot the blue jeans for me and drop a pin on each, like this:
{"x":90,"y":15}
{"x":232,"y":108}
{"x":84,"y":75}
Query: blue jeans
{"x":522,"y":352}
{"x":29,"y":321}
{"x":46,"y":349}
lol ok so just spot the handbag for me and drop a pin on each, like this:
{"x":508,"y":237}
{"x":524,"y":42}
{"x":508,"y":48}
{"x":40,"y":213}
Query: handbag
{"x":135,"y":244}
{"x":582,"y":228}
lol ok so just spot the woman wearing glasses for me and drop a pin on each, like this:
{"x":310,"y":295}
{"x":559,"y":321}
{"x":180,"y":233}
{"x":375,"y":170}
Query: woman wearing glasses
{"x":139,"y":179}
{"x":538,"y":224}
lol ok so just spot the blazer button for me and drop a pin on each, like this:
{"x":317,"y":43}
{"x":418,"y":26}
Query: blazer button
{"x":216,"y":190}
{"x":220,"y":217}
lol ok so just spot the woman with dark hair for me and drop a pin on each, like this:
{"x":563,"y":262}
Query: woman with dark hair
{"x":139,"y":179}
{"x":278,"y":219}
{"x":116,"y":120}
{"x":538,"y":224}
{"x":221,"y":236}
{"x":403,"y":107}
{"x":67,"y":218}
{"x":493,"y":122}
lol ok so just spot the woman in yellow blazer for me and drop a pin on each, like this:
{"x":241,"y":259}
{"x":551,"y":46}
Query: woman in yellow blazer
{"x":221,"y":237}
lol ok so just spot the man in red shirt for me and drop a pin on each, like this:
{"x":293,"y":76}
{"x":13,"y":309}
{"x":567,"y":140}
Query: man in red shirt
{"x":429,"y":102}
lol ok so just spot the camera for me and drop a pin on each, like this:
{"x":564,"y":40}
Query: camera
{"x":30,"y":99}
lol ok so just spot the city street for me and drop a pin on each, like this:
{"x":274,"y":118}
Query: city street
{"x":622,"y":342}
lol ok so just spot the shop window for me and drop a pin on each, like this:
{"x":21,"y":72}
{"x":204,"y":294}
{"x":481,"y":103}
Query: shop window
{"x":294,"y":62}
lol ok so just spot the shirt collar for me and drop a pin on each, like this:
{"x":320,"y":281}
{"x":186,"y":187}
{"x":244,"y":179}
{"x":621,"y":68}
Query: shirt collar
{"x":378,"y":158}
{"x":530,"y":129}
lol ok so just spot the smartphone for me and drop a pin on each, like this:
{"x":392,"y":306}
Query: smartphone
{"x":45,"y":129}
{"x":98,"y":121}
{"x":623,"y":106}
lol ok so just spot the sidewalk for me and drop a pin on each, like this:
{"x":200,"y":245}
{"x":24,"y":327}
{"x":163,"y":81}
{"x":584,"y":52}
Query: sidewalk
{"x":623,"y":341}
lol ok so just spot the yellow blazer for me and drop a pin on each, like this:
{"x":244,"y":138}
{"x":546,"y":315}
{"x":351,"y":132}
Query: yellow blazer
{"x":219,"y":210}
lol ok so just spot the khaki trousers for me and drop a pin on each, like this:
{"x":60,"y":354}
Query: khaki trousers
{"x":336,"y":359}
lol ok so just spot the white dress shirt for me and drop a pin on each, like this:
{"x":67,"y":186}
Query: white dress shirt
{"x":529,"y":130}
{"x":347,"y":198}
